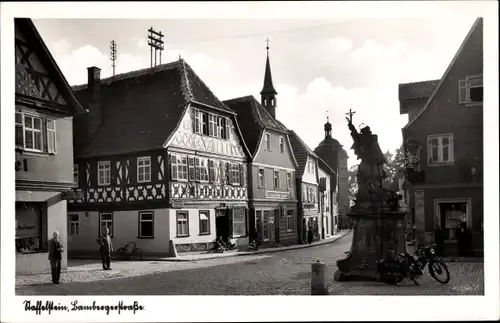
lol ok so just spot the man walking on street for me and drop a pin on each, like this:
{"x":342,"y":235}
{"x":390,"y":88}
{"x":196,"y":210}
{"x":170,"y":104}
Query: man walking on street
{"x":55,"y":255}
{"x":105,"y":250}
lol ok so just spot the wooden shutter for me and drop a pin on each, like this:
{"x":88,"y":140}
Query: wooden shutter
{"x":197,"y":170}
{"x":230,"y":222}
{"x":242,"y":175}
{"x":462,"y":91}
{"x":445,"y":144}
{"x":211,"y":171}
{"x":227,"y":129}
{"x":197,"y":121}
{"x":173,"y":166}
{"x":19,"y":130}
{"x":191,"y":171}
{"x":229,"y":174}
{"x":433,"y":150}
{"x":205,"y":125}
{"x":211,"y":125}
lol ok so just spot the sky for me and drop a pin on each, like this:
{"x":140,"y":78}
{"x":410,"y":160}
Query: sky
{"x":321,"y":67}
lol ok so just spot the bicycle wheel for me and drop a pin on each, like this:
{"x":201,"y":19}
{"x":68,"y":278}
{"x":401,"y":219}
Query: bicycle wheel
{"x":137,"y":254}
{"x":121,"y":252}
{"x":437,"y":268}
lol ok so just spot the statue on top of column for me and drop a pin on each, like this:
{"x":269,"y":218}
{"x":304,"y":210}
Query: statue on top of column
{"x":371,"y":169}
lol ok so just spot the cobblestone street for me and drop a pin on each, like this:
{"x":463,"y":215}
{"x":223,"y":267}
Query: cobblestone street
{"x":282,"y":273}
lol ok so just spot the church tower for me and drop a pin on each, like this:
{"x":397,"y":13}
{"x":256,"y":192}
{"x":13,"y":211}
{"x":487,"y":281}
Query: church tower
{"x":268,"y":93}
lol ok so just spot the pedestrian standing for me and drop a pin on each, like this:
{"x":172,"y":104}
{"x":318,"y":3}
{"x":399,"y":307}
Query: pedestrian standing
{"x":310,"y":235}
{"x":105,"y":249}
{"x":439,"y":240}
{"x":55,"y":256}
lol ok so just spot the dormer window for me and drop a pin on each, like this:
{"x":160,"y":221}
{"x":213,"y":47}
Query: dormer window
{"x":209,"y":124}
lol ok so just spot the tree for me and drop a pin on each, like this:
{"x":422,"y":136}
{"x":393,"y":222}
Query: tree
{"x":394,"y":169}
{"x":353,"y":183}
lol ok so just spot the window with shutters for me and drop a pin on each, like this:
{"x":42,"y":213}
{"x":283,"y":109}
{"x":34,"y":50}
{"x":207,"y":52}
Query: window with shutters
{"x":440,"y":149}
{"x":262,"y":179}
{"x":470,"y":90}
{"x":179,"y":167}
{"x":239,"y":222}
{"x":234,"y":175}
{"x":220,"y":127}
{"x":35,"y":133}
{"x":276,"y":179}
{"x":282,"y":145}
{"x":202,"y":165}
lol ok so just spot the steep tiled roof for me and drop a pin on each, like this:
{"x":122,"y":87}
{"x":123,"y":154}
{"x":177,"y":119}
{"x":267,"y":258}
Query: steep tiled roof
{"x":323,"y":165}
{"x":141,"y":109}
{"x":416,"y":90}
{"x":301,"y":151}
{"x":252,"y":119}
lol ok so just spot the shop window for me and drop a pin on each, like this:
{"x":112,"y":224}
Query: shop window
{"x":29,"y":220}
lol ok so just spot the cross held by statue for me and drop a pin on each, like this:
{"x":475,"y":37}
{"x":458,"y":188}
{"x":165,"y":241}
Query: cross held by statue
{"x":350,"y":113}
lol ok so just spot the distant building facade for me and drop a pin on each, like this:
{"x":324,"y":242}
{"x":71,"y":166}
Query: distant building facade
{"x":328,"y":204}
{"x":160,"y":161}
{"x":44,"y":108}
{"x":307,"y":178}
{"x":444,"y":143}
{"x":331,"y":151}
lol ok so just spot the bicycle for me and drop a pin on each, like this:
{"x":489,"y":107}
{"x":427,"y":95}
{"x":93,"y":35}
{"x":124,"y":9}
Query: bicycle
{"x":136,"y":253}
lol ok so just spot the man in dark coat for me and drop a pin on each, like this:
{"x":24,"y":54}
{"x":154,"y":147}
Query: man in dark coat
{"x":310,"y":235}
{"x":55,"y":256}
{"x":105,"y":249}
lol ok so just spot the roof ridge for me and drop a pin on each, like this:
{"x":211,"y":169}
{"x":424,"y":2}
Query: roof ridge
{"x":188,"y":67}
{"x":185,"y":86}
{"x":311,"y":152}
{"x":130,"y":74}
{"x":238,"y":99}
{"x":447,"y":71}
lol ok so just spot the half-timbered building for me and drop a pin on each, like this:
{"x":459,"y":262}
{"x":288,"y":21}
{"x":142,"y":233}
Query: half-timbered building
{"x":160,"y":161}
{"x":273,"y":202}
{"x":44,"y":109}
{"x":307,"y":178}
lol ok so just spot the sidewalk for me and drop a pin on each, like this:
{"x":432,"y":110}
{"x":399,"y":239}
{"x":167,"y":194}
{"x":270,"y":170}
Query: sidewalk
{"x":235,"y":253}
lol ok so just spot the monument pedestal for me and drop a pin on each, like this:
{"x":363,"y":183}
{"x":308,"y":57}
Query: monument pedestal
{"x":375,"y":234}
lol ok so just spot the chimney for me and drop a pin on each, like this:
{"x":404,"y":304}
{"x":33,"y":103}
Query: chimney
{"x":93,"y":95}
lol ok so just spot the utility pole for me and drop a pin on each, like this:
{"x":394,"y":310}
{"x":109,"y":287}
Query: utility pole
{"x":156,"y":42}
{"x":113,"y":54}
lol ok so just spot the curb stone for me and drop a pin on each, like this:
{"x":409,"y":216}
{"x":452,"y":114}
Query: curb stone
{"x":247,"y":253}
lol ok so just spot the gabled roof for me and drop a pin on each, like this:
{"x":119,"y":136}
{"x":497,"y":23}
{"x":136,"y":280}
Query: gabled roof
{"x":417,"y":90}
{"x":142,"y":109}
{"x":477,"y":24}
{"x":301,"y":152}
{"x":253,"y":118}
{"x":27,"y":27}
{"x":323,"y":165}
